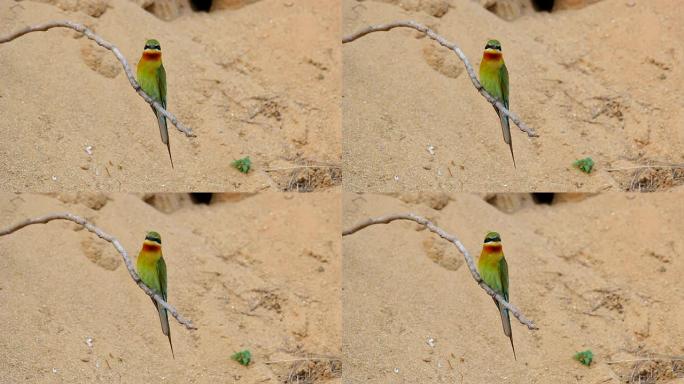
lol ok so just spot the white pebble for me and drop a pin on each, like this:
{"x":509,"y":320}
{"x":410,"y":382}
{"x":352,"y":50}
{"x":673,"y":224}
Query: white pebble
{"x":431,"y":342}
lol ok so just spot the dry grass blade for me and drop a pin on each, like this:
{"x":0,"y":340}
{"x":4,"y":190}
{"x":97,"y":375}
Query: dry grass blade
{"x":306,"y":177}
{"x":310,"y":369}
{"x":651,"y":177}
{"x":651,"y":369}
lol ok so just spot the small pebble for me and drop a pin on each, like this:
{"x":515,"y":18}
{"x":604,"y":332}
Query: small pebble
{"x":431,"y":342}
{"x":431,"y":149}
{"x":396,"y":370}
{"x":89,"y":149}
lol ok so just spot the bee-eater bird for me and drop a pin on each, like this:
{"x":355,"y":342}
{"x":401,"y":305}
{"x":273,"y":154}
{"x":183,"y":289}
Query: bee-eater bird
{"x":494,"y":79}
{"x":494,"y":271}
{"x":152,"y":80}
{"x":152,"y":271}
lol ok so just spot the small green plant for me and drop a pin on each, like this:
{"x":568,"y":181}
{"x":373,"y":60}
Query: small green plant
{"x":585,"y":165}
{"x":242,"y":357}
{"x":243,"y":165}
{"x":584,"y":357}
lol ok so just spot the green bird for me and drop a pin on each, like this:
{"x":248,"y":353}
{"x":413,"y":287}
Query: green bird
{"x":494,"y":79}
{"x":494,"y":271}
{"x":152,"y":271}
{"x":152,"y":79}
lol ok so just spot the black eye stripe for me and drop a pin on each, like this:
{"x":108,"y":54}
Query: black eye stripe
{"x":158,"y":241}
{"x":496,"y":239}
{"x":153,"y":47}
{"x":489,"y":46}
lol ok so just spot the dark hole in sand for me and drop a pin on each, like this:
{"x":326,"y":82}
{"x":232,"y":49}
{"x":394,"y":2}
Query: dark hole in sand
{"x":543,"y":198}
{"x":543,"y":5}
{"x":201,"y":198}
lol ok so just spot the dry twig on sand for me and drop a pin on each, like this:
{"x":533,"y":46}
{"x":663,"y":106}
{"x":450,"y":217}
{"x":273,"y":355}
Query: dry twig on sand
{"x":117,"y":245}
{"x":445,"y":43}
{"x":312,"y":369}
{"x":119,"y":56}
{"x":454,"y":240}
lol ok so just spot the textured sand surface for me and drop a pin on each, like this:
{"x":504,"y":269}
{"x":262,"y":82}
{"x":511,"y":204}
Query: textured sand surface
{"x":260,"y":273}
{"x":261,"y":80}
{"x":600,"y":273}
{"x":600,"y":81}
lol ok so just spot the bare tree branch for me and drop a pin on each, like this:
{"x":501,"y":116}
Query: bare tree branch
{"x":451,"y":238}
{"x":105,"y":44}
{"x":104,"y":236}
{"x":442,"y":41}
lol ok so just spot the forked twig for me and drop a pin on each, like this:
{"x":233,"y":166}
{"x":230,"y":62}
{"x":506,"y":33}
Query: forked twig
{"x":119,"y":56}
{"x":445,"y":43}
{"x":117,"y":245}
{"x":454,"y":240}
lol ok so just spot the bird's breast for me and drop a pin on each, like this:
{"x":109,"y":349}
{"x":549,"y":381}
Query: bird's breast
{"x":492,"y":56}
{"x":151,"y":56}
{"x":492,"y":248}
{"x":151,"y":247}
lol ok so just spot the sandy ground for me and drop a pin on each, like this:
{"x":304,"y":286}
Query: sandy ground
{"x":260,"y":80}
{"x":596,"y":272}
{"x":600,"y":81}
{"x":260,"y":273}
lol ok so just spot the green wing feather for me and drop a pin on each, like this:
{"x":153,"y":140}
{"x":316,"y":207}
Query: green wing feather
{"x":505,"y":124}
{"x":503,"y":276}
{"x":505,"y":316}
{"x":503,"y":78}
{"x":161,"y":273}
{"x":163,"y":129}
{"x":163,"y":314}
{"x":161,"y":79}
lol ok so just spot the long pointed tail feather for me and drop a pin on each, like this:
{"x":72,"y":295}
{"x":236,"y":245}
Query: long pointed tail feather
{"x":510,"y":337}
{"x":174,"y":356}
{"x":506,"y":322}
{"x":168,"y":146}
{"x":164,"y":131}
{"x":506,"y":128}
{"x":164,"y":319}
